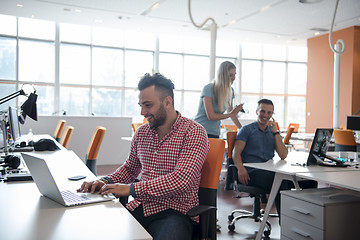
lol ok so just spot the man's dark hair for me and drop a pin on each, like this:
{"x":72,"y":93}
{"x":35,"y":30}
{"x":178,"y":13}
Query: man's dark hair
{"x":160,"y":82}
{"x":265,"y":101}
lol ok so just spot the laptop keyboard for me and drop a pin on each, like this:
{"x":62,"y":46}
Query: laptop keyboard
{"x":71,"y":197}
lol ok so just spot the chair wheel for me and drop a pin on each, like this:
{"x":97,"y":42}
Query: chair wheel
{"x":267,"y":233}
{"x":230,"y":217}
{"x":231,"y":227}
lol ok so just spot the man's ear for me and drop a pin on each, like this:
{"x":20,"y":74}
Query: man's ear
{"x":168,"y":101}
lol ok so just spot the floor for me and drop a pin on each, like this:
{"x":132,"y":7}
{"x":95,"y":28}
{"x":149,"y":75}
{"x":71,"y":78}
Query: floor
{"x":245,"y":228}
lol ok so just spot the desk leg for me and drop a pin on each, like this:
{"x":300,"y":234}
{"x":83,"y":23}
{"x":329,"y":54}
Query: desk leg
{"x":274,"y":189}
{"x":296,"y":183}
{"x":279,"y":177}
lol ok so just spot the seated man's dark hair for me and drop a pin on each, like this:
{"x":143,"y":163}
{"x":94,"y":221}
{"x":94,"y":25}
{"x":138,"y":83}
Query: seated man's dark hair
{"x":265,"y":101}
{"x":160,"y":82}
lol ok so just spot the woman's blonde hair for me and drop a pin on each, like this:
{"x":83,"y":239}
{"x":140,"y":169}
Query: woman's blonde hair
{"x":222,"y":85}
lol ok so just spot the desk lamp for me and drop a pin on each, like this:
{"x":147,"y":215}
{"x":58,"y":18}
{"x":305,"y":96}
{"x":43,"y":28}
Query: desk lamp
{"x":29,"y":108}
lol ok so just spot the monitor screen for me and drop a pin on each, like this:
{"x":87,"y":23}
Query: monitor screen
{"x":319,"y":145}
{"x":14,"y":123}
{"x":353,"y":123}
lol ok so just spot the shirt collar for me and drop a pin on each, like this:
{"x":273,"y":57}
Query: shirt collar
{"x":256,"y":126}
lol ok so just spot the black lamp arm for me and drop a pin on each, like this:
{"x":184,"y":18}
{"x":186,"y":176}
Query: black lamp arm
{"x":11,"y":96}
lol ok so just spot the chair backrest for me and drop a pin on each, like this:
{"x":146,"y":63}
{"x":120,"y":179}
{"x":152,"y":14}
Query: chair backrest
{"x":277,"y":126}
{"x":210,"y":174}
{"x":211,"y":169}
{"x":59,"y":128}
{"x":65,"y":138}
{"x":231,"y":127}
{"x":95,"y":143}
{"x":135,"y":126}
{"x":295,"y":125}
{"x":344,"y":140}
{"x":290,"y":131}
{"x":230,"y":138}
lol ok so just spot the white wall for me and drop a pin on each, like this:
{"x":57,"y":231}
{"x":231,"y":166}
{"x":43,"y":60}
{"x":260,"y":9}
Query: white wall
{"x":113,"y":150}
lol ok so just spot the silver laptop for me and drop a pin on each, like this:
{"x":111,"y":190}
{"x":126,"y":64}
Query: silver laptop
{"x":51,"y":172}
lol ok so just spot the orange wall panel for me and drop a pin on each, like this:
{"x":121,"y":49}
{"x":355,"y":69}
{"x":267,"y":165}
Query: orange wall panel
{"x":319,"y":101}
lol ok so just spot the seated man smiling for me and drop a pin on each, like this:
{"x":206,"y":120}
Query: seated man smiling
{"x":168,"y":154}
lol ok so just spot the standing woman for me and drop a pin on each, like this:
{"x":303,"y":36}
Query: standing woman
{"x":216,"y":97}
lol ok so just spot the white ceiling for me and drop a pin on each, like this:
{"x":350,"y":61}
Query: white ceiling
{"x":284,"y":21}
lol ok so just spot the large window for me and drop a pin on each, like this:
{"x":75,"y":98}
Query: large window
{"x":279,"y":74}
{"x":36,"y":61}
{"x":82,"y":70}
{"x":7,"y":58}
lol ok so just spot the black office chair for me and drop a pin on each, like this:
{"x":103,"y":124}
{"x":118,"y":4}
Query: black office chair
{"x":254,"y":192}
{"x":257,"y":213}
{"x":344,"y":140}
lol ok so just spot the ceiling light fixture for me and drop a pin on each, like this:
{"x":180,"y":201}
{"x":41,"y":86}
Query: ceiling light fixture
{"x":232,"y":22}
{"x":153,"y":7}
{"x":309,"y":1}
{"x":19,"y":5}
{"x":265,"y":8}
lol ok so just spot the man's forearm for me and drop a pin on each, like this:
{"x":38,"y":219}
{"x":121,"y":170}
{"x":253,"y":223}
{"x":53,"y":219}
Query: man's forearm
{"x":280,"y":147}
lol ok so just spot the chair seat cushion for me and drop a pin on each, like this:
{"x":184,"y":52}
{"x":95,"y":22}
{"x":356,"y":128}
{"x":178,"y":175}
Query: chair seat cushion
{"x":250,"y":189}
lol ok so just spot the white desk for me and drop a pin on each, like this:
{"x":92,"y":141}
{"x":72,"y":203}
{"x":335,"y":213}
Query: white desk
{"x":26,"y":214}
{"x":348,"y":180}
{"x":289,"y":170}
{"x":307,"y":137}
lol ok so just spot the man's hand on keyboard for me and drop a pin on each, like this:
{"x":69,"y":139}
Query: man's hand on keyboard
{"x":118,"y":189}
{"x":91,"y":186}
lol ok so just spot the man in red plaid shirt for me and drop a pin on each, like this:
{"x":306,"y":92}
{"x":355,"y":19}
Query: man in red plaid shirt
{"x":167,"y":155}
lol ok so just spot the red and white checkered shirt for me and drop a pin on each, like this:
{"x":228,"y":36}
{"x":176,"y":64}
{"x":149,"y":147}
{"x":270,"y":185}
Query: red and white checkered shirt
{"x":169,"y":169}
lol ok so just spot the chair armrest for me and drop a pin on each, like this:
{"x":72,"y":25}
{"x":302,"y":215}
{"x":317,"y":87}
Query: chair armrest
{"x":199,"y":210}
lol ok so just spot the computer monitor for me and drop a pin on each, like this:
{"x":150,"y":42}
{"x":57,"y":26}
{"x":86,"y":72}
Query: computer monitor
{"x":319,"y":145}
{"x":14,"y":124}
{"x":353,"y":123}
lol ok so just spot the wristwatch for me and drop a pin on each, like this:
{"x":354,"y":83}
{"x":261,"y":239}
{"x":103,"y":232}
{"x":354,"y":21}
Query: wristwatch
{"x":275,"y":133}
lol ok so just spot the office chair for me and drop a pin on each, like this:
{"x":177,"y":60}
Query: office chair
{"x":295,"y":125}
{"x":254,"y":192}
{"x":344,"y":140}
{"x":231,"y":127}
{"x":210,"y":174}
{"x":94,"y":147}
{"x":135,"y":126}
{"x":65,"y":138}
{"x":277,"y":126}
{"x":289,"y":132}
{"x":58,"y":130}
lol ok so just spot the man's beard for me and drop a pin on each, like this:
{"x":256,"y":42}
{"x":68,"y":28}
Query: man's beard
{"x":159,"y":118}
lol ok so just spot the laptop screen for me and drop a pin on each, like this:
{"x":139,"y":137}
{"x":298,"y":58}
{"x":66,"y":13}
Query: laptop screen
{"x":319,"y":145}
{"x":14,"y":123}
{"x":353,"y":122}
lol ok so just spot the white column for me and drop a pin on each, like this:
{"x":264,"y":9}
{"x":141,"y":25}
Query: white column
{"x":336,"y":86}
{"x":212,"y":51}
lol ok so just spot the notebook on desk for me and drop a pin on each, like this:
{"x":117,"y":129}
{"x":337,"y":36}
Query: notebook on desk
{"x":50,"y":176}
{"x":319,"y":147}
